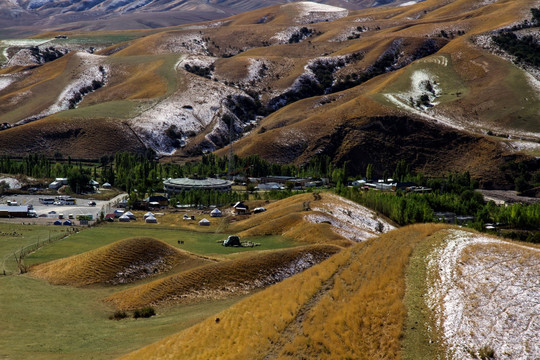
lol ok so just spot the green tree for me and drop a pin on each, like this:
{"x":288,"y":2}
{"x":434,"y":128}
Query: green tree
{"x":369,"y":172}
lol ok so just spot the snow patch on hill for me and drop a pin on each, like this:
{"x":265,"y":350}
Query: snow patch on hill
{"x":190,"y":110}
{"x":90,"y":65}
{"x":185,"y":42}
{"x":349,"y":219}
{"x":5,"y":81}
{"x":485,"y":295}
{"x":310,"y":12}
{"x":409,"y":3}
{"x":283,"y":36}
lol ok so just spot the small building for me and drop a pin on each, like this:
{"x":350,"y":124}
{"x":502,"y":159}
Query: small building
{"x":130,"y":215}
{"x":157,"y":201}
{"x":270,"y":186}
{"x":14,"y":211}
{"x":216,"y":213}
{"x":151,"y":219}
{"x":204,"y":222}
{"x":58,"y":183}
{"x":359,"y":182}
{"x":148,"y":214}
{"x":93,"y":183}
{"x":106,"y":186}
{"x":118,"y":213}
{"x":241,"y":208}
{"x":124,"y":218}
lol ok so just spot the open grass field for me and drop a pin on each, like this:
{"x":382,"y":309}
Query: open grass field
{"x":196,"y":242}
{"x":73,"y":323}
{"x":14,"y":237}
{"x":43,"y":321}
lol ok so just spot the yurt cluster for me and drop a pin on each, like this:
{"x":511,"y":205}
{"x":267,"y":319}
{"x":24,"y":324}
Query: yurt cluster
{"x":128,"y":216}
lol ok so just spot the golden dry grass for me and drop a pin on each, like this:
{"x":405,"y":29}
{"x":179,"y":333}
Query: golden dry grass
{"x":121,"y":262}
{"x":286,"y":217}
{"x":350,"y":306}
{"x":224,"y":278}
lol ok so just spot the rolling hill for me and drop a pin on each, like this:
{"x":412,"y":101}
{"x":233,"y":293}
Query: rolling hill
{"x":122,"y":262}
{"x":420,"y":292}
{"x":227,"y":278}
{"x":20,"y":16}
{"x":422,"y":82}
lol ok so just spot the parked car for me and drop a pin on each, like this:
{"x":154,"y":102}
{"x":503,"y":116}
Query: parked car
{"x":91,"y":203}
{"x":258,"y":210}
{"x":52,"y":212}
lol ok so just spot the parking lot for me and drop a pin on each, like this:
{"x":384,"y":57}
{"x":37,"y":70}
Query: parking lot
{"x":49,"y":213}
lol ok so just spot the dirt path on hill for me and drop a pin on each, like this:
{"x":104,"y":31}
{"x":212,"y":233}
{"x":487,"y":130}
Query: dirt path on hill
{"x":294,"y":328}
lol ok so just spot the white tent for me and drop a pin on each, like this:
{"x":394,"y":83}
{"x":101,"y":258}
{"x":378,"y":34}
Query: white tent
{"x":148,"y":214}
{"x":204,"y":222}
{"x":124,"y":218}
{"x":216,"y":213}
{"x":130,"y":215}
{"x":151,"y":219}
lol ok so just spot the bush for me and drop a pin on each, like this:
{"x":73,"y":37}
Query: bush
{"x":118,"y":315}
{"x":145,"y":312}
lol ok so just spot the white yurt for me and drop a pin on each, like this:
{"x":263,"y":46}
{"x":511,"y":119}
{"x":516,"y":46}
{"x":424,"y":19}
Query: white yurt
{"x":204,"y":222}
{"x":130,"y":215}
{"x":151,"y":219}
{"x":124,"y":218}
{"x":216,"y":213}
{"x":148,"y":214}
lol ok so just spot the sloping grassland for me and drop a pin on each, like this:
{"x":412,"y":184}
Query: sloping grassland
{"x":122,"y":262}
{"x":348,"y":306}
{"x":224,"y":279}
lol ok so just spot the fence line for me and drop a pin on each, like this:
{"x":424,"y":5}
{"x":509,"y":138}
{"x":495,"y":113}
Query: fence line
{"x":28,"y":249}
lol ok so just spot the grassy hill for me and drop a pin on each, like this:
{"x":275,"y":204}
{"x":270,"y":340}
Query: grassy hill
{"x":378,"y":299}
{"x":357,"y":88}
{"x":121,"y":262}
{"x":224,"y":279}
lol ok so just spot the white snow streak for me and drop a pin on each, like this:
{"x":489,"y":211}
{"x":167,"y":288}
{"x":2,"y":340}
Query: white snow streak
{"x":5,"y":81}
{"x":486,"y":294}
{"x":349,"y":219}
{"x":409,"y":3}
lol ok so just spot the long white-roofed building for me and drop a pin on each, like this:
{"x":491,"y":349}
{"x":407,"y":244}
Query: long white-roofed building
{"x":173,"y":186}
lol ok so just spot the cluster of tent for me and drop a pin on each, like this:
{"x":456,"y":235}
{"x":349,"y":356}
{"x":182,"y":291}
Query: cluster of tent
{"x":67,"y":222}
{"x":127,"y":217}
{"x":150,"y":218}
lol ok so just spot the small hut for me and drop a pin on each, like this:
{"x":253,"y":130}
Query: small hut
{"x":216,"y":213}
{"x":148,"y":214}
{"x":151,"y":219}
{"x":124,"y":218}
{"x":204,"y":222}
{"x":241,"y":208}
